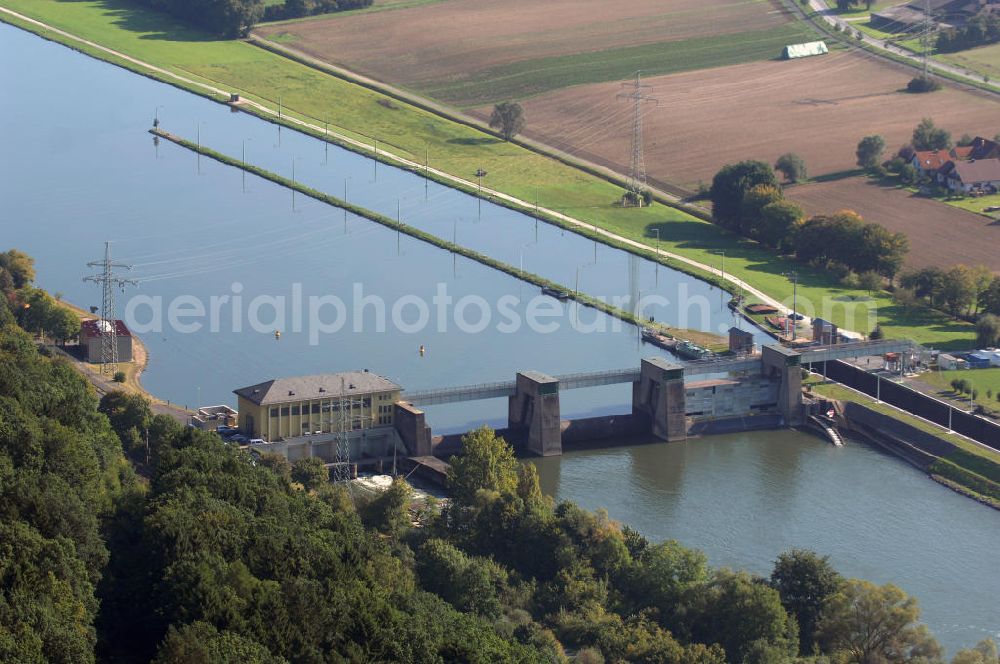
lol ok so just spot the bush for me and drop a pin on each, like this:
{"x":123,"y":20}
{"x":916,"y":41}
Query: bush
{"x":921,"y":84}
{"x":119,"y":377}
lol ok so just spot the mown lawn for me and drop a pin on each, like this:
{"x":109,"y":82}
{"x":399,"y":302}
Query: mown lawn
{"x":982,"y":380}
{"x":977,"y":204}
{"x":532,"y":77}
{"x":405,"y":130}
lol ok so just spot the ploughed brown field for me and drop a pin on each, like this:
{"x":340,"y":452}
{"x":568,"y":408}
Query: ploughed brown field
{"x":939,"y":234}
{"x":453,"y":40}
{"x":818,"y":107}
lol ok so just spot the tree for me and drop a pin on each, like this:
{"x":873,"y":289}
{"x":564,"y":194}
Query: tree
{"x":870,"y":281}
{"x":63,"y":324}
{"x":989,"y":299}
{"x":804,"y":581}
{"x":779,"y":222}
{"x":958,"y":292}
{"x":129,"y":415}
{"x":201,"y":643}
{"x":20,"y":266}
{"x":389,"y":512}
{"x":731,"y":184}
{"x":508,"y":119}
{"x":927,"y":136}
{"x":310,"y":472}
{"x":754,"y":202}
{"x":792,"y":166}
{"x":985,"y":652}
{"x":487,"y":463}
{"x":869,"y":152}
{"x":875,"y":625}
{"x":988,"y":331}
{"x":745,"y":616}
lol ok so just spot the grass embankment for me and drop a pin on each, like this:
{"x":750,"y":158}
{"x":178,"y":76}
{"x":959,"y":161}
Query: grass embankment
{"x":697,"y":336}
{"x":972,"y":469}
{"x":355,"y":112}
{"x":977,"y":204}
{"x":527,"y":78}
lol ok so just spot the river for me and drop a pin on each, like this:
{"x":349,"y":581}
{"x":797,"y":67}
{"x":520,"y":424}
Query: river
{"x":78,"y":168}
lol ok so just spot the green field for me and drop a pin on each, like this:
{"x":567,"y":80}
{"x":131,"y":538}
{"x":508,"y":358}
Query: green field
{"x":981,"y":379}
{"x":527,"y":78}
{"x":458,"y":149}
{"x":984,"y":60}
{"x":378,"y":6}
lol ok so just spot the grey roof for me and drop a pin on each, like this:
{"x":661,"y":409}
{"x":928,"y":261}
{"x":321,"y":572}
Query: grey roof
{"x":321,"y":386}
{"x":983,"y":170}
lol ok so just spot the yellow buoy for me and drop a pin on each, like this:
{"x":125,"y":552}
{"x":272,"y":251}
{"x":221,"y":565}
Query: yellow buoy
{"x":422,"y":351}
{"x":277,"y":334}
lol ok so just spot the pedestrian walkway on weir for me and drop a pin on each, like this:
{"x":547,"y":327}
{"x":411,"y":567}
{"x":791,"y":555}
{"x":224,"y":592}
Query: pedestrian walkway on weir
{"x":507,"y":388}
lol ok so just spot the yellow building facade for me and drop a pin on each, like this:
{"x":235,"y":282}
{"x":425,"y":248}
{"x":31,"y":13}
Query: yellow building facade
{"x":306,"y":405}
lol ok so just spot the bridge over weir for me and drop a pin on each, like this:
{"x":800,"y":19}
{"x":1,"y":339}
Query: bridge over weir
{"x":719,"y":365}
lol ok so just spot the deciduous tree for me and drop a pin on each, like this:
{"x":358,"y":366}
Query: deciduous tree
{"x":805,"y":580}
{"x":792,"y":166}
{"x":731,"y":184}
{"x":876,"y":625}
{"x":869,"y":152}
{"x":928,"y":136}
{"x":508,"y":119}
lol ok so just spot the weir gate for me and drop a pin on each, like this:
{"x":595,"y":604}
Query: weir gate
{"x":748,"y":391}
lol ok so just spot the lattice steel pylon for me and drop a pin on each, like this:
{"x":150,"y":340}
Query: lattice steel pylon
{"x":347,"y":407}
{"x":925,"y":37}
{"x":109,"y":321}
{"x":637,"y":168}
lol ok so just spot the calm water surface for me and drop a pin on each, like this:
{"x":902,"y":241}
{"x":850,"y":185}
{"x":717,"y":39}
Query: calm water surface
{"x":74,"y":175}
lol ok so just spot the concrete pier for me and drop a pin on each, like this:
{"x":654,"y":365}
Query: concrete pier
{"x":534,"y":407}
{"x":411,"y":425}
{"x":659,"y":394}
{"x":785,"y":366}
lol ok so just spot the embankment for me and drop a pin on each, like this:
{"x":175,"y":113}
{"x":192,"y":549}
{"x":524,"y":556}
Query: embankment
{"x":696,"y":336}
{"x":943,"y":461}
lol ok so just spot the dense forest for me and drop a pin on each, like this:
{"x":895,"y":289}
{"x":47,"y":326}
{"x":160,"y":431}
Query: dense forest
{"x":128,"y":538}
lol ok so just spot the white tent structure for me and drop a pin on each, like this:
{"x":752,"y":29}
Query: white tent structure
{"x":804,"y":50}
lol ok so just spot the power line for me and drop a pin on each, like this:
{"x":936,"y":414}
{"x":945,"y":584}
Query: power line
{"x":109,"y":322}
{"x":637,"y":169}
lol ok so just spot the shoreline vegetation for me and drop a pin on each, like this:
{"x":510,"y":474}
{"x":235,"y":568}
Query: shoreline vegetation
{"x":407,"y":131}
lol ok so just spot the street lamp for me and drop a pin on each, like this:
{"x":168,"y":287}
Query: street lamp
{"x":156,"y":116}
{"x":243,"y":162}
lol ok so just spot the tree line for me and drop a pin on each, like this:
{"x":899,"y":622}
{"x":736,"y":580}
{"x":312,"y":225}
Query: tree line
{"x":983,"y":28}
{"x":747,"y":199}
{"x":966,"y":292}
{"x":235,"y":18}
{"x":126,"y":537}
{"x":298,"y":8}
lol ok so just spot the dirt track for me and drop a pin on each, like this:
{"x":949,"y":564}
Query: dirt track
{"x":817,"y":107}
{"x":939,"y":234}
{"x":455,"y":39}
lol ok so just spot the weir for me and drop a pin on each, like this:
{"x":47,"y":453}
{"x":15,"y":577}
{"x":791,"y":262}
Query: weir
{"x":733,"y":393}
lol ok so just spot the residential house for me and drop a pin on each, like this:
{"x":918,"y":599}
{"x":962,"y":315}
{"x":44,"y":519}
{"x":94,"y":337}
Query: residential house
{"x":981,"y":175}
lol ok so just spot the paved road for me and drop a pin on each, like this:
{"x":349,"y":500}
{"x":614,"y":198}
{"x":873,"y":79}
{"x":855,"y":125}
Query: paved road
{"x":364,"y":147}
{"x":831,"y":18}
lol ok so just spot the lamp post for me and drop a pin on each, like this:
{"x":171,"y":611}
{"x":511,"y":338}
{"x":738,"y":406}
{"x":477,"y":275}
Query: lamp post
{"x":243,"y":162}
{"x":156,"y":116}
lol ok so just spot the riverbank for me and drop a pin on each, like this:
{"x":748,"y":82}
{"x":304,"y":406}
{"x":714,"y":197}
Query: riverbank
{"x":132,"y":370}
{"x":408,"y":137}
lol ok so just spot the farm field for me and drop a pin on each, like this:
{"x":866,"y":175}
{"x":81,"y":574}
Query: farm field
{"x":985,"y":60}
{"x":940,"y":235}
{"x":817,"y":107}
{"x":467,"y":52}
